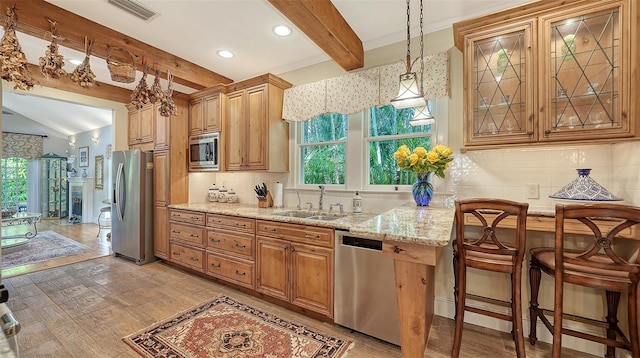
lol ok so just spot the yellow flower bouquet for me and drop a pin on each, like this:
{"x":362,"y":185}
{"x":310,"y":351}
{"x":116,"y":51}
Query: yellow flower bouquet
{"x":422,"y":161}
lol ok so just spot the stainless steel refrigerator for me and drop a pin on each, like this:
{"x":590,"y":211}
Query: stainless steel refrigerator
{"x":132,"y":206}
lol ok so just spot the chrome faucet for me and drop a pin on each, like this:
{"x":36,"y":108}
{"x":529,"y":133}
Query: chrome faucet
{"x":298,"y":207}
{"x":338,"y":205}
{"x":321,"y":195}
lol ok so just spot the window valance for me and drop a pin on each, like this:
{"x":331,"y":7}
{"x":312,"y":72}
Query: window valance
{"x":356,"y":91}
{"x":26,"y":146}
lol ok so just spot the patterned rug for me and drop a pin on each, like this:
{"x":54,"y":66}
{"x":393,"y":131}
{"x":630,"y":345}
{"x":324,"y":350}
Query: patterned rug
{"x":44,"y":246}
{"x":227,"y":328}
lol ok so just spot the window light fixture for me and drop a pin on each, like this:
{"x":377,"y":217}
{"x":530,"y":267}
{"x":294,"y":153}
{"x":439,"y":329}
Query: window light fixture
{"x":225,"y":54}
{"x":282,"y":30}
{"x":422,"y":114}
{"x":408,"y":93}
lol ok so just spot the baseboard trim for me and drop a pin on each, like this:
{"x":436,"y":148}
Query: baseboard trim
{"x":446,"y":308}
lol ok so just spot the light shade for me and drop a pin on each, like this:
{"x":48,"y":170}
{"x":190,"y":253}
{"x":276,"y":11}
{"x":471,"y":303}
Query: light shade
{"x":408,"y":94}
{"x":422,"y":116}
{"x":584,"y":188}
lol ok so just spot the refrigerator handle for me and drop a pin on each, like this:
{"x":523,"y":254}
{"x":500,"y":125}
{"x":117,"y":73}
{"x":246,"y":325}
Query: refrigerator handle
{"x":118,"y":191}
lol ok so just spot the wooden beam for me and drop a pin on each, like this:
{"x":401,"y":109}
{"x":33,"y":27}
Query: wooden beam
{"x":33,"y":18}
{"x":100,"y":90}
{"x":324,"y":25}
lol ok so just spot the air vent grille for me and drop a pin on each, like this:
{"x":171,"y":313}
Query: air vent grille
{"x":134,"y":8}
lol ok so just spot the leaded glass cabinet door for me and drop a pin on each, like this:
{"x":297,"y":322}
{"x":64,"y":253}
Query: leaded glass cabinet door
{"x":584,"y":92}
{"x":499,"y":89}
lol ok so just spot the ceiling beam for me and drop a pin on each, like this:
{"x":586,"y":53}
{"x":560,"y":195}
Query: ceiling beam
{"x":33,"y":15}
{"x":324,"y":25}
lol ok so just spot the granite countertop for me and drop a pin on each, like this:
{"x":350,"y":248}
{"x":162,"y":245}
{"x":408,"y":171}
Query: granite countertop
{"x":431,"y":226}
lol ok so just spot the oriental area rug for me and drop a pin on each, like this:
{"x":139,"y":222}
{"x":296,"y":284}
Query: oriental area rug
{"x":44,"y":246}
{"x":227,"y":328}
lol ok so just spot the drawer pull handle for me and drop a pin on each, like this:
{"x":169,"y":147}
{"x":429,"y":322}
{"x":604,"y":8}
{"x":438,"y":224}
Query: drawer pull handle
{"x":241,"y":246}
{"x":194,"y":235}
{"x":175,"y":253}
{"x":216,"y":221}
{"x":216,"y":266}
{"x":175,"y":232}
{"x":270,"y":229}
{"x":243,"y":225}
{"x":311,"y":236}
{"x":194,"y":259}
{"x":197,"y":218}
{"x":214,"y":241}
{"x":241,"y":273}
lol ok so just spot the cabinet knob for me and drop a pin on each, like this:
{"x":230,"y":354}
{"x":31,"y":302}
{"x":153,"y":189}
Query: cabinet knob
{"x":293,"y":249}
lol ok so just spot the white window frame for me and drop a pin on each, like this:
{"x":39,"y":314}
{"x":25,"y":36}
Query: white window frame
{"x":357,"y":143}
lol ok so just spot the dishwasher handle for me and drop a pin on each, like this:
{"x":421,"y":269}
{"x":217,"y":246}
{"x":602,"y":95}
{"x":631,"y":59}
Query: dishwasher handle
{"x":361,"y":242}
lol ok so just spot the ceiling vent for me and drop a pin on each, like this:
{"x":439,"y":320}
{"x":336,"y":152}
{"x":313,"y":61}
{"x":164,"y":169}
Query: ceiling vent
{"x":134,"y":8}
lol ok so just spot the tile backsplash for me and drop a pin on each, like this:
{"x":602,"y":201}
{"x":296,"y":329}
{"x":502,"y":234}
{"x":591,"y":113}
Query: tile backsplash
{"x":499,"y":173}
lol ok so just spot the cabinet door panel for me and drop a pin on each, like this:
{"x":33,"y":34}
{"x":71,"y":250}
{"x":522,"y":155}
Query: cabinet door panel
{"x":147,"y":122}
{"x":195,"y":117}
{"x":160,"y":234}
{"x":500,"y":87}
{"x":161,"y":178}
{"x":256,"y":123}
{"x":312,"y":278}
{"x":212,"y":114}
{"x":134,"y":127}
{"x":162,"y":137}
{"x":272,"y":276}
{"x":235,"y":132}
{"x":585,"y":92}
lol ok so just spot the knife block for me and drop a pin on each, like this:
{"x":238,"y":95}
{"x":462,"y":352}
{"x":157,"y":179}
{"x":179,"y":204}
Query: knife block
{"x":267,"y":202}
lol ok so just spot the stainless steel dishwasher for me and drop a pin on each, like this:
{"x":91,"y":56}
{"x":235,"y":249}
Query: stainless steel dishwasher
{"x":365,"y":291}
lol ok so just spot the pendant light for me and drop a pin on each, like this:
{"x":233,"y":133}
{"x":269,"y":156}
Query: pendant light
{"x":408,"y":93}
{"x":422,"y":115}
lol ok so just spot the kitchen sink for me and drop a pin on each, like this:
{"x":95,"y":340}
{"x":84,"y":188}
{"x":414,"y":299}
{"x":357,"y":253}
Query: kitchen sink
{"x":323,"y":217}
{"x":295,"y":214}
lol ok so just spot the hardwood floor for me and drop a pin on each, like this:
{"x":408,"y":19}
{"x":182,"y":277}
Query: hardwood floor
{"x":83,"y":309}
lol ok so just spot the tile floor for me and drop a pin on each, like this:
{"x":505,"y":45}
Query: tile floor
{"x":83,"y":309}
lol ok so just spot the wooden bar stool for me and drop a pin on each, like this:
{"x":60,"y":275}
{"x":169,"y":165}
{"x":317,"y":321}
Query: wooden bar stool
{"x":590,"y":261}
{"x":485,"y":251}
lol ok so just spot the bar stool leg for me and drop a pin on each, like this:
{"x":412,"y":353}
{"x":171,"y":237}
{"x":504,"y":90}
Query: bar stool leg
{"x":634,"y":337}
{"x":516,"y":311}
{"x":534,"y":282}
{"x":613,"y":299}
{"x":461,"y":278}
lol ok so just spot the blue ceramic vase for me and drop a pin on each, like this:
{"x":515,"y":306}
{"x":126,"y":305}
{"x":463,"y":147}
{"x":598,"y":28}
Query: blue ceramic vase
{"x":422,"y":189}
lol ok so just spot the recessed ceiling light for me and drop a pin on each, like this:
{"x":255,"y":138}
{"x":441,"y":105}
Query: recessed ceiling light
{"x":75,"y":62}
{"x":282,"y":30}
{"x":225,"y":54}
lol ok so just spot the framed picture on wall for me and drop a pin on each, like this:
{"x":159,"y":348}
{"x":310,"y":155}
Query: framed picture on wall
{"x":83,"y":156}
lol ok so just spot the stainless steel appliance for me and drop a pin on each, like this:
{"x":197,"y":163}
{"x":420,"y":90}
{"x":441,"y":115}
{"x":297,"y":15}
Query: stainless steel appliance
{"x":365,"y":292}
{"x":204,"y":152}
{"x":132,"y":206}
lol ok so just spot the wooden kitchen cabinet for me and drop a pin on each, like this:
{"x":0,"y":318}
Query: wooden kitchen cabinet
{"x":206,"y":109}
{"x":160,"y":227}
{"x":295,"y":264}
{"x":141,"y":126}
{"x":551,"y":72}
{"x":255,"y":137}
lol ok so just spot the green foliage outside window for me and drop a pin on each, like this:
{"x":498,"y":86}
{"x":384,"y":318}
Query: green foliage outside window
{"x":14,"y":181}
{"x":387,"y":121}
{"x":324,"y":163}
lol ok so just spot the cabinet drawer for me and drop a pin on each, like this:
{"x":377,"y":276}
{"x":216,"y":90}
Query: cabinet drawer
{"x":231,"y":269}
{"x":189,"y":234}
{"x":232,"y":223}
{"x":298,"y":233}
{"x":188,"y":256}
{"x":233,"y":243}
{"x":190,"y":217}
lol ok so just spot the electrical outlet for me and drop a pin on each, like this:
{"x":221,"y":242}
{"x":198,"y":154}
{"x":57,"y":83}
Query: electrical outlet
{"x":533,"y":191}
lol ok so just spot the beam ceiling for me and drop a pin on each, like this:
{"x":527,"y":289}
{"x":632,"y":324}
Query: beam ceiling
{"x":324,"y":25}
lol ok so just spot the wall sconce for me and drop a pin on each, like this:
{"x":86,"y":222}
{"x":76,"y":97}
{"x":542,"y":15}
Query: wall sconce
{"x":94,"y":140}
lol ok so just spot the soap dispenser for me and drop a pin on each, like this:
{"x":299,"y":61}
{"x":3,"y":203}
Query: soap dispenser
{"x":357,"y":203}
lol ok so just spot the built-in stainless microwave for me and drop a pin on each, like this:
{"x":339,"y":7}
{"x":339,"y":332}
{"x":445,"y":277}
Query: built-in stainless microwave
{"x":204,"y":152}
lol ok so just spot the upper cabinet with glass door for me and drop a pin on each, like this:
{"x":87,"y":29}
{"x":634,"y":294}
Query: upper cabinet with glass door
{"x":583,"y":87}
{"x":499,"y":83}
{"x":584,"y":56}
